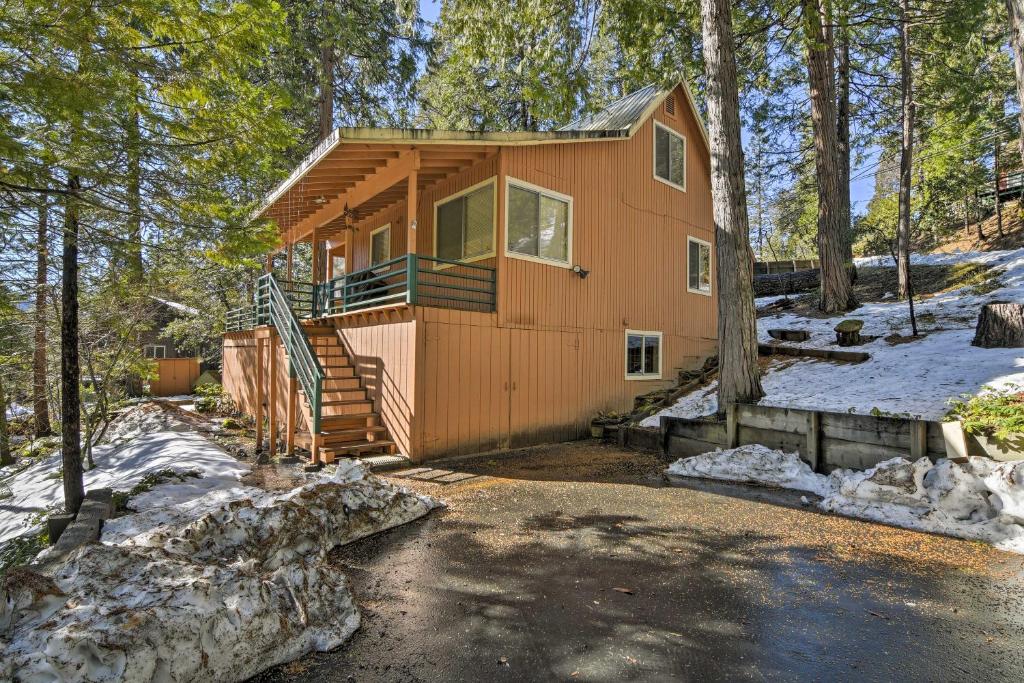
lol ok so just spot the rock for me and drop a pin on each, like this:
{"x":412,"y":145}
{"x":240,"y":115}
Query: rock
{"x":848,"y":332}
{"x":1000,"y":325}
{"x":789,"y":335}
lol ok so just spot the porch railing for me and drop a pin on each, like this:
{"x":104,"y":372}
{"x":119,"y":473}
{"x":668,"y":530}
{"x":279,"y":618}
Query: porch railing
{"x":412,"y":279}
{"x":275,"y":307}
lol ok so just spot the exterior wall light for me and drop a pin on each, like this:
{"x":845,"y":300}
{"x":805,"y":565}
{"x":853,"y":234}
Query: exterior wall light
{"x":578,"y":269}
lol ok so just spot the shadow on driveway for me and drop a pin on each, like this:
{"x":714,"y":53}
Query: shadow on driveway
{"x":608,"y":575}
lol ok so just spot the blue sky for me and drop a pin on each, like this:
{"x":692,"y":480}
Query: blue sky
{"x":860,"y":190}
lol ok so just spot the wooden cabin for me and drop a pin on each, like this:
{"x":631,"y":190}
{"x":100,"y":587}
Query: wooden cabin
{"x":480,"y":291}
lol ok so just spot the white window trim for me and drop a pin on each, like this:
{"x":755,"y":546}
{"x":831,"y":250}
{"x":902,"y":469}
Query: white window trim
{"x":386,"y":226}
{"x":654,"y":155}
{"x":154,"y":347}
{"x":711,"y":253}
{"x":509,"y":182}
{"x":493,"y":180}
{"x":661,"y":353}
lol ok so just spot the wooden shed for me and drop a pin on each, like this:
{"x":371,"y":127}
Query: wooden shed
{"x":480,"y":291}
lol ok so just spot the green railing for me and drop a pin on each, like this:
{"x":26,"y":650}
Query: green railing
{"x":275,"y":307}
{"x":413,"y":279}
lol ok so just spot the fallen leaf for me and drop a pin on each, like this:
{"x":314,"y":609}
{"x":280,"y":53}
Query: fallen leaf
{"x":627,"y":591}
{"x":503,"y":660}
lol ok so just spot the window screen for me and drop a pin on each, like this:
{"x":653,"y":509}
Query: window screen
{"x":538,"y":224}
{"x":698,"y":267}
{"x":643,"y":355}
{"x":380,"y":247}
{"x":465,"y":225}
{"x":669,"y":156}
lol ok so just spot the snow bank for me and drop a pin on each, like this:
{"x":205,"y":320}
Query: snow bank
{"x":237,"y":589}
{"x":981,"y":499}
{"x":753,"y":464}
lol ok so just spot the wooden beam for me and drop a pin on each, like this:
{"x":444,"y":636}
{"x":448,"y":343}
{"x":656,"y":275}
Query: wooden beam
{"x":293,"y":399}
{"x":291,"y":258}
{"x":410,"y":212}
{"x":315,"y":262}
{"x":272,"y":398}
{"x":259,"y":394}
{"x":392,"y":172}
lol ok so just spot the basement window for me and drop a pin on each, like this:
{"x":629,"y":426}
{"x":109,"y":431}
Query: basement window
{"x":380,"y":244}
{"x":539,"y":223}
{"x":154,"y":351}
{"x":465,"y":224}
{"x":643,"y":355}
{"x":669,"y":156}
{"x":698,"y":266}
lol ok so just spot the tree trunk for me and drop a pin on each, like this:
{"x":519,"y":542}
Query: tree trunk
{"x":906,"y":153}
{"x":40,"y":404}
{"x":1000,"y":325}
{"x":843,"y":133}
{"x":5,"y":443}
{"x":1016,"y":11}
{"x":133,"y":247}
{"x":326,"y":82}
{"x":836,"y":290}
{"x":737,"y":329}
{"x":71,"y":447}
{"x":999,"y":203}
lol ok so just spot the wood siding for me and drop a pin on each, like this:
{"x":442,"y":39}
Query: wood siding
{"x":453,"y":382}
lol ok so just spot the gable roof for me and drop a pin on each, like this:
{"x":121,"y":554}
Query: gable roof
{"x":620,"y":114}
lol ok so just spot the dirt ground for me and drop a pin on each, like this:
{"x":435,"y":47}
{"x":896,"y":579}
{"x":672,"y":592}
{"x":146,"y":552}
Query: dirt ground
{"x":581,"y":562}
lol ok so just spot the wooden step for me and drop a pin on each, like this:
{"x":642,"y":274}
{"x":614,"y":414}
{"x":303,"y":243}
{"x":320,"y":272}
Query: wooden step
{"x":336,"y":383}
{"x":345,"y":408}
{"x":338,"y":372}
{"x":342,"y":396}
{"x":334,"y":452}
{"x":353,"y":421}
{"x":329,"y":351}
{"x":335,"y":361}
{"x":348,"y":436}
{"x":319,"y":330}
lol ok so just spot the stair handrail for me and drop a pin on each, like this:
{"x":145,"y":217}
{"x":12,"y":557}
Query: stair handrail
{"x":303,"y":364}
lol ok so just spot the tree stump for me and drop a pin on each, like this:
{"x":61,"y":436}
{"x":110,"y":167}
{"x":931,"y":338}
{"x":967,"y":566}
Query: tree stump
{"x":848,"y":332}
{"x":1000,"y":325}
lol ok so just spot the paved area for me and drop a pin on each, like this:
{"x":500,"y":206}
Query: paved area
{"x":580,"y":562}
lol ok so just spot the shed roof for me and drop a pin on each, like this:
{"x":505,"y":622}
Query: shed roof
{"x":620,"y":114}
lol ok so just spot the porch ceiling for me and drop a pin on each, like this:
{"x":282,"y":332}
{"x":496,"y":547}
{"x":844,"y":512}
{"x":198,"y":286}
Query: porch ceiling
{"x":368,"y":178}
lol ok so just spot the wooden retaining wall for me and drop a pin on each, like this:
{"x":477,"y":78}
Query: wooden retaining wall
{"x":825,"y":440}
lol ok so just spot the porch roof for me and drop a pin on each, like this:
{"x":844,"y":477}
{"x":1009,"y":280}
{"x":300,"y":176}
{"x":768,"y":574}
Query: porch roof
{"x":357,"y":172}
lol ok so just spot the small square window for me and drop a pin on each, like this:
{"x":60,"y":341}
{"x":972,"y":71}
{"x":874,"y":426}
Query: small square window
{"x":698,"y":266}
{"x":643,"y":355}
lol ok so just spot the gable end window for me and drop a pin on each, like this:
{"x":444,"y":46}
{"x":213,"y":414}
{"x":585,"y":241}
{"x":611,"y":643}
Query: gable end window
{"x":464,"y":224}
{"x":669,"y":156}
{"x":698,"y":266}
{"x":643,"y":355}
{"x":154,"y":351}
{"x":539,"y":224}
{"x":380,"y":244}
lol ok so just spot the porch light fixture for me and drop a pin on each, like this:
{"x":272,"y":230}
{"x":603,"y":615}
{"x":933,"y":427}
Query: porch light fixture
{"x":578,"y":270}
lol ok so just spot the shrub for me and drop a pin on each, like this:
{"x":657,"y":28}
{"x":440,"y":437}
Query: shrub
{"x":994,"y":412}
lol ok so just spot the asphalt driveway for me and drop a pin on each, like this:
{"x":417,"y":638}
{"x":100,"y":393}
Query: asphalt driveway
{"x":580,"y":562}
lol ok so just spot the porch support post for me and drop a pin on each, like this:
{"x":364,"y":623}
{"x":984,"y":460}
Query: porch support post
{"x":270,"y":263}
{"x":293,"y":397}
{"x":411,"y":212}
{"x":316,"y":255}
{"x":272,"y":398}
{"x":291,"y":253}
{"x":259,"y":394}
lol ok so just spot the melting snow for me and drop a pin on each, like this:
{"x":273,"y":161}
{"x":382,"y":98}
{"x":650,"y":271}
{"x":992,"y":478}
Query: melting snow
{"x":981,"y":499}
{"x":916,"y":378}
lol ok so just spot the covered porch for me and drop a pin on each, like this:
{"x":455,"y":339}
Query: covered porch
{"x":358,"y":206}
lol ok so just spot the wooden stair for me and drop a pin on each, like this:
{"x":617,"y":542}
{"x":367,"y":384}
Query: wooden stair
{"x":349,"y":426}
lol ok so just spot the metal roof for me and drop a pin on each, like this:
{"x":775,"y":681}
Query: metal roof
{"x":620,"y":114}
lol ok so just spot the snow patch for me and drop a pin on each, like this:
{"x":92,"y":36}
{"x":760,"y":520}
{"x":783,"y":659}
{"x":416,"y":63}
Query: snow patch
{"x":144,"y":441}
{"x":753,"y":464}
{"x":981,"y":499}
{"x":240,"y":587}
